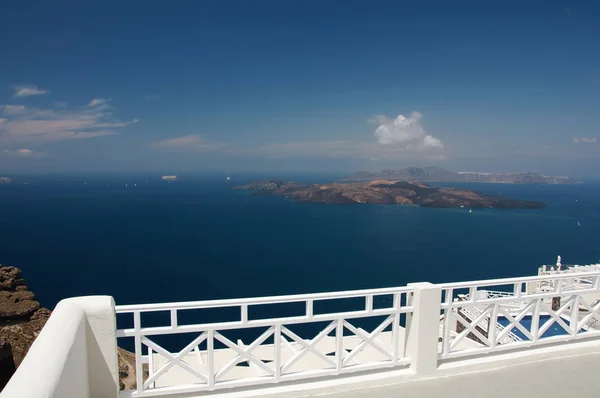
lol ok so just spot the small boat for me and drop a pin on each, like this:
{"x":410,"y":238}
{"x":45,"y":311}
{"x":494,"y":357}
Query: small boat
{"x":228,"y":178}
{"x":578,"y":224}
{"x":470,"y":210}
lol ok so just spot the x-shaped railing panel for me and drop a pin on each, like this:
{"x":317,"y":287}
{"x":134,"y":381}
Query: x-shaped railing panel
{"x":471,"y":327}
{"x":174,"y":360}
{"x":244,"y":353}
{"x":368,"y":339}
{"x":307,"y":346}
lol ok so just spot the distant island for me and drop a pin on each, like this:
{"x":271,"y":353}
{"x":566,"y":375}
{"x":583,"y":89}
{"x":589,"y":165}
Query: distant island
{"x":5,"y":180}
{"x":438,"y":174}
{"x":386,"y":192}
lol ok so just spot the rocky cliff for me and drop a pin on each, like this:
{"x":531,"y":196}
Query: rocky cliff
{"x":21,"y":320}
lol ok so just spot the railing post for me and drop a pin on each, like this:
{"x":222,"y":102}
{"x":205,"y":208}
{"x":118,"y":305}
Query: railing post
{"x":574,"y":320}
{"x":339,"y":349}
{"x":423,"y":331}
{"x":139,"y":375}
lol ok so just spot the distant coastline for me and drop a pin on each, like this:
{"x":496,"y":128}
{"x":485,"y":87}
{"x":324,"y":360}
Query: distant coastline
{"x":438,"y":174}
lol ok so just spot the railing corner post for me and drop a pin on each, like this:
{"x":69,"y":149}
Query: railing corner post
{"x":423,"y":332}
{"x":101,"y":344}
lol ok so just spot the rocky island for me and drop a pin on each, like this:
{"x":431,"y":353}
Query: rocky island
{"x":386,"y":192}
{"x":5,"y":180}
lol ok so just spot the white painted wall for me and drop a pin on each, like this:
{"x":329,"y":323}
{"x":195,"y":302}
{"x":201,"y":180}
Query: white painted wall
{"x":74,"y":356}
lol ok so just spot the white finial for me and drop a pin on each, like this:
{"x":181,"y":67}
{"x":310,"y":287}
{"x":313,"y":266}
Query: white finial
{"x":558,"y":264}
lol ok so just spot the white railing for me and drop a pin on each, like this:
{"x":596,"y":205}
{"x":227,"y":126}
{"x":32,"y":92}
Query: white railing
{"x":566,"y":301}
{"x":405,"y":328}
{"x":328,"y":334}
{"x":212,"y":360}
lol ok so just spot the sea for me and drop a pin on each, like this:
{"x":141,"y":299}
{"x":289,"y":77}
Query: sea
{"x":143,"y":240}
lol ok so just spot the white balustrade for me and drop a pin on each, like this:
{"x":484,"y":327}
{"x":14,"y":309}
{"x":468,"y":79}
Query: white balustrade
{"x":413,"y":327}
{"x":278,"y":353}
{"x":567,"y":301}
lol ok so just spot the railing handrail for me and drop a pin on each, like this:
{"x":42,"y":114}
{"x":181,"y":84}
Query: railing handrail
{"x":338,"y":294}
{"x":524,"y":279}
{"x":260,"y":300}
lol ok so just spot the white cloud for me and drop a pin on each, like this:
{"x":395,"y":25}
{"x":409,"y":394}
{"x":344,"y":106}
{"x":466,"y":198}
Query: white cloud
{"x":584,"y":140}
{"x":23,"y":152}
{"x":378,"y":119}
{"x":97,"y":101}
{"x":117,"y":124}
{"x":89,"y":134}
{"x":192,"y":142}
{"x":98,"y":104}
{"x":406,"y":132}
{"x":58,"y":123}
{"x":27,"y":90}
{"x":13,"y":109}
{"x":398,"y":138}
{"x":432,"y":142}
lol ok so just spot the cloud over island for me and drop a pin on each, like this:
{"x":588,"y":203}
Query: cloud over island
{"x":394,"y":138}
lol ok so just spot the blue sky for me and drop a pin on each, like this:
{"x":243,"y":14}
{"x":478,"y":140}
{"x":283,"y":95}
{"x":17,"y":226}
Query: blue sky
{"x":227,"y":86}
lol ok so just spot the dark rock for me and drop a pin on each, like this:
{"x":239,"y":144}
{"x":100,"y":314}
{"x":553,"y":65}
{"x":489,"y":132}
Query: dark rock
{"x":17,"y":305}
{"x":127,"y":370}
{"x":7,"y":364}
{"x":21,"y":321}
{"x":10,"y":277}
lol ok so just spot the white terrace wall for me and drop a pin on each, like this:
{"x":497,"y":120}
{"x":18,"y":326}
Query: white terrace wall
{"x":74,"y":356}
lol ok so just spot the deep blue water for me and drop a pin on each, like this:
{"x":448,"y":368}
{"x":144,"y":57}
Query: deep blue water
{"x":199,"y":239}
{"x":554,"y":330}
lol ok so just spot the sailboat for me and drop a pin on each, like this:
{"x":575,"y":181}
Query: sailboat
{"x":228,"y":178}
{"x":470,"y":210}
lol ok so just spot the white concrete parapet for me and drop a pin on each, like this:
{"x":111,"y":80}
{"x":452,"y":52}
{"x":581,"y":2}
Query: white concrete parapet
{"x":75,"y":355}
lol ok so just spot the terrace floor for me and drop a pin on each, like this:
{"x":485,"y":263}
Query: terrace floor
{"x":551,"y":371}
{"x":570,"y":373}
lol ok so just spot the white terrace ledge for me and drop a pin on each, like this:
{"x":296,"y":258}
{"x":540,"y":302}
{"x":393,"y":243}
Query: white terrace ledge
{"x":422,"y":333}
